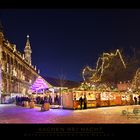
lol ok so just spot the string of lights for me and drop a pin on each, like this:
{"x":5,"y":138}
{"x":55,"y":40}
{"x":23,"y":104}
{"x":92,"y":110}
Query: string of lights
{"x":136,"y":80}
{"x":99,"y":71}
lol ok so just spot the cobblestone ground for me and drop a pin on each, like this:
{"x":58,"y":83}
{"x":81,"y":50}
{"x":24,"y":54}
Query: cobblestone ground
{"x":119,"y":114}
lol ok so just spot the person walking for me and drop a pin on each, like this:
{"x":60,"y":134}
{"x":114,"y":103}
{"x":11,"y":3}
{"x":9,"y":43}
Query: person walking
{"x":81,"y":101}
{"x":135,"y":98}
{"x":85,"y":102}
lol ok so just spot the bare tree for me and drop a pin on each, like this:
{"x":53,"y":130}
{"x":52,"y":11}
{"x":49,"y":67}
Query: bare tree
{"x":62,"y":82}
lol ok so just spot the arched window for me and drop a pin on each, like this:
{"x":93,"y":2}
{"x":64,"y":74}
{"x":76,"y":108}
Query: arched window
{"x":12,"y":61}
{"x":8,"y":58}
{"x":4,"y":55}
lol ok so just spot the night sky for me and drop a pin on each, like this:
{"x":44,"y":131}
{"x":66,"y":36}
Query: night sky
{"x":64,"y":41}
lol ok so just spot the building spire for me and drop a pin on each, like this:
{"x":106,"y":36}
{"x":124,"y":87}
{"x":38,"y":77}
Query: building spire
{"x":27,"y":43}
{"x":28,"y":51}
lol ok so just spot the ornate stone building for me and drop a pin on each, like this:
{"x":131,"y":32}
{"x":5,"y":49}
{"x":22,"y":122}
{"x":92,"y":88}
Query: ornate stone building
{"x":16,"y":70}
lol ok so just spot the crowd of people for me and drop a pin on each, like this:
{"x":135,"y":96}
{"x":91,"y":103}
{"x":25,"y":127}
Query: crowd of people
{"x":20,"y":100}
{"x":38,"y":100}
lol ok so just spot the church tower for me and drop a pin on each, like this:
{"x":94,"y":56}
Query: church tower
{"x":28,"y":51}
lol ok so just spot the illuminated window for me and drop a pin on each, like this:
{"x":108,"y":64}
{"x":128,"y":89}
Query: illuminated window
{"x":14,"y":72}
{"x":7,"y":68}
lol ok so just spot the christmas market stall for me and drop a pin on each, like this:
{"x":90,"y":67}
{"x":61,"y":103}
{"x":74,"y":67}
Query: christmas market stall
{"x":116,"y":98}
{"x":71,"y":100}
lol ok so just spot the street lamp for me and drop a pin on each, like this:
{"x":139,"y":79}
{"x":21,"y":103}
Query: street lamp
{"x":61,"y":106}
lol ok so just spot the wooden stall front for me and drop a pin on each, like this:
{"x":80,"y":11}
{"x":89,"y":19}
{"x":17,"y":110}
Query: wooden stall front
{"x":115,"y":98}
{"x":71,"y":99}
{"x":67,"y":100}
{"x":96,"y":99}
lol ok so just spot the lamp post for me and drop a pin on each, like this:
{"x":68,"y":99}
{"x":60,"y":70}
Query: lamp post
{"x":61,"y":106}
{"x":52,"y":95}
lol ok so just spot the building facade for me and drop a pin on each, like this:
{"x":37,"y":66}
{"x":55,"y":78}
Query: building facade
{"x":16,"y":70}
